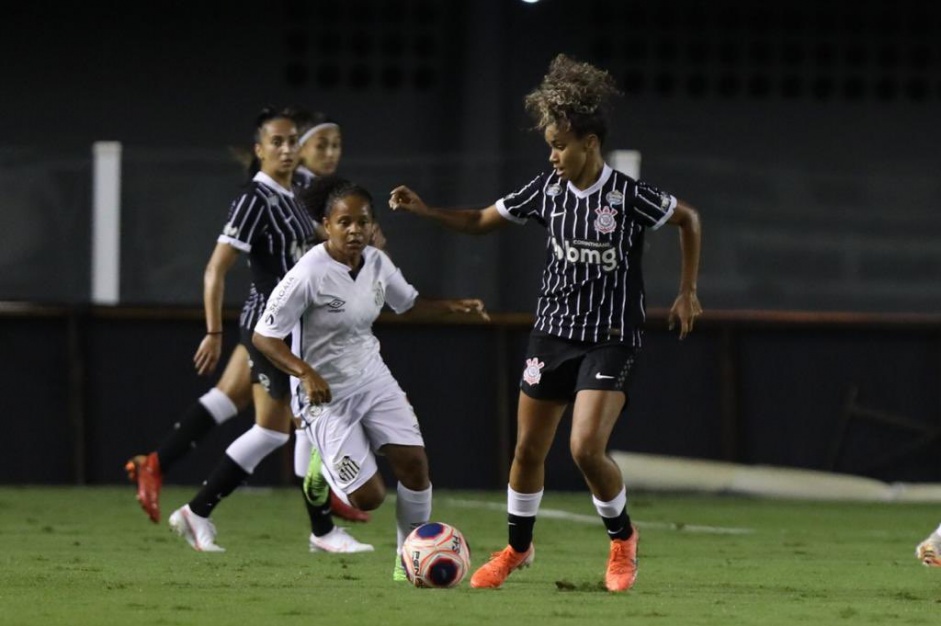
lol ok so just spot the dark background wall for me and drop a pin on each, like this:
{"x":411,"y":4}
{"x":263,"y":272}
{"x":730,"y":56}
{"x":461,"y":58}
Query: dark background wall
{"x":805,"y":133}
{"x":91,"y":387}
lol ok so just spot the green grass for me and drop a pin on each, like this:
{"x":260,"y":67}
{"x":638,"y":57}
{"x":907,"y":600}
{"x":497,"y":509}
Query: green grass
{"x":88,"y":556}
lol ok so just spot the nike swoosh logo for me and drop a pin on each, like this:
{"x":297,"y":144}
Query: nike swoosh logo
{"x":601,"y":376}
{"x":557,"y":214}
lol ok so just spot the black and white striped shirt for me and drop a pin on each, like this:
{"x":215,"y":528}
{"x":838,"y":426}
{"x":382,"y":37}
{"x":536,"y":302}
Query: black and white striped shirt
{"x":268,"y":223}
{"x":592,"y":286}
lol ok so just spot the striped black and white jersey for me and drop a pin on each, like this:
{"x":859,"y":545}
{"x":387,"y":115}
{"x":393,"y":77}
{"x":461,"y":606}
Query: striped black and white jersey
{"x":592,"y":287}
{"x":302,"y":178}
{"x":268,"y":223}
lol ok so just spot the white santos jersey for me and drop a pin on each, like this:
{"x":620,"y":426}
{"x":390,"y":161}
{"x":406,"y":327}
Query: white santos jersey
{"x":336,"y":312}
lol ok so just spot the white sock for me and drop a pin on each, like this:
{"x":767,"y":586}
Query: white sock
{"x":412,"y":509}
{"x":612,"y":508}
{"x":219,"y":405}
{"x":302,"y":450}
{"x":257,"y":443}
{"x":523,"y":504}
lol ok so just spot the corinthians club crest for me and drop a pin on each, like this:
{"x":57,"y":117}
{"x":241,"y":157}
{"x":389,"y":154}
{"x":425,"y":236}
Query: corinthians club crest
{"x":533,"y":372}
{"x":605,"y":222}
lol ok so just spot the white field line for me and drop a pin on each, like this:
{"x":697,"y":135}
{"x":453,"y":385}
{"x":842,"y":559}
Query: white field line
{"x":594,"y":519}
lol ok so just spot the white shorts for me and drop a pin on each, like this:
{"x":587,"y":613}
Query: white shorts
{"x":349,"y":431}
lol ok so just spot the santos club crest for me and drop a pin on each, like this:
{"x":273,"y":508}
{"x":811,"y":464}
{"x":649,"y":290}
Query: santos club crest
{"x":605,"y":222}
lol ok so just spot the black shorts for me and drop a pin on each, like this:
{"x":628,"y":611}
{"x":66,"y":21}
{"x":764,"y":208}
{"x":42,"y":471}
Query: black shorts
{"x":557,"y":369}
{"x":264,"y":372}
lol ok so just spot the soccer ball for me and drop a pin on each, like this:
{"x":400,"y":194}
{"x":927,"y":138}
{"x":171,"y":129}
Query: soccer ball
{"x":435,"y":555}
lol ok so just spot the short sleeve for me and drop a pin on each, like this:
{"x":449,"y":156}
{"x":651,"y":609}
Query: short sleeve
{"x":286,"y":304}
{"x":651,"y":206}
{"x":400,"y":295}
{"x":246,"y":216}
{"x":523,"y":203}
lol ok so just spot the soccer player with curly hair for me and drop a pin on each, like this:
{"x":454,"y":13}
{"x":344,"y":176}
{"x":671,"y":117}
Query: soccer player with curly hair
{"x":590,"y":312}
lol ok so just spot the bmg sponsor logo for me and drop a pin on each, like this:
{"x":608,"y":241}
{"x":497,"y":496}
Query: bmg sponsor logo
{"x":588,"y":252}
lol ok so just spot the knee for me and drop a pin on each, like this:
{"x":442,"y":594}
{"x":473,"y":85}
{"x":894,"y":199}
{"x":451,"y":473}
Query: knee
{"x":368,"y":497}
{"x":527,"y":454}
{"x":587,"y":455}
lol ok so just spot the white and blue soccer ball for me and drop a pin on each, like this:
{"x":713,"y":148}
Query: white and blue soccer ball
{"x":435,"y":555}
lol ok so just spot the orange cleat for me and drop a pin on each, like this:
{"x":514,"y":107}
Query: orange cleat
{"x":492,"y":573}
{"x":145,"y":471}
{"x":622,"y":563}
{"x":345,"y":511}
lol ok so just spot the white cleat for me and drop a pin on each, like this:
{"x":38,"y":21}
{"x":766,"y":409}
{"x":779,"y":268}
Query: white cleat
{"x":198,"y":531}
{"x":929,"y":550}
{"x":338,"y":541}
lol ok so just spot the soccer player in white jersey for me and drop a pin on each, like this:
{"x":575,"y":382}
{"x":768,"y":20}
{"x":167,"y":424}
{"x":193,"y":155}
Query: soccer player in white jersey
{"x":929,"y":550}
{"x":353,"y":407}
{"x":267,"y":223}
{"x":590,"y":313}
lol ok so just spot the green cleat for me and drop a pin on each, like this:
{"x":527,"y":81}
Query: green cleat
{"x":398,"y":572}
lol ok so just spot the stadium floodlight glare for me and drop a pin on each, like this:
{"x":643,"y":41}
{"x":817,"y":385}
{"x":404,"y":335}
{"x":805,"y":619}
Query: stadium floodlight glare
{"x":530,"y":1}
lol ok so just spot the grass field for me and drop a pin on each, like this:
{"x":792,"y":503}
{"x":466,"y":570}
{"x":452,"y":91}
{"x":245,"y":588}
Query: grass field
{"x":89,"y":556}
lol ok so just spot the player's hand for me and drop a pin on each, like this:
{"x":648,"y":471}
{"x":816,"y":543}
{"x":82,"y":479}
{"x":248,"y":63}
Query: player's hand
{"x":316,"y":388}
{"x":208,"y":354}
{"x":469,"y":306}
{"x":685,"y":310}
{"x":403,"y":198}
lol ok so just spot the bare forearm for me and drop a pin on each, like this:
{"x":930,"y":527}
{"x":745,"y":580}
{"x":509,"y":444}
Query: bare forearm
{"x":213,"y":292}
{"x":690,"y":241}
{"x":276,"y":351}
{"x":427,"y":309}
{"x":462,"y":220}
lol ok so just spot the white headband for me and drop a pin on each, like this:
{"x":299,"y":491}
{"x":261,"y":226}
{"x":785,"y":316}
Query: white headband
{"x":318,"y":127}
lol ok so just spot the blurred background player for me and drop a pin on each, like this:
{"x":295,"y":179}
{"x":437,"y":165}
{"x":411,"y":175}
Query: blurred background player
{"x":929,"y":550}
{"x":269,"y":224}
{"x":321,"y":146}
{"x":353,"y":408}
{"x":590,"y":313}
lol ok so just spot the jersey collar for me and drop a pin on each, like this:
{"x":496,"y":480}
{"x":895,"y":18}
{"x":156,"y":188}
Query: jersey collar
{"x":598,"y":184}
{"x":268,"y":181}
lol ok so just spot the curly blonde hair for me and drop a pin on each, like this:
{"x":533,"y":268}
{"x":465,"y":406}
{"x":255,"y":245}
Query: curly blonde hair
{"x":573,"y":96}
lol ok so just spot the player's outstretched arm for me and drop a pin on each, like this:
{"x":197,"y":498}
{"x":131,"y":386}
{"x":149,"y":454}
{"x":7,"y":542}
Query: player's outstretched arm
{"x":470,"y":221}
{"x":686,"y":307}
{"x":428,"y":308}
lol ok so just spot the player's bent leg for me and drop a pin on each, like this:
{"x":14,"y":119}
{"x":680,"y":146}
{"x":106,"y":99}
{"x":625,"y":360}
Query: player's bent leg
{"x":318,"y":492}
{"x":370,"y":495}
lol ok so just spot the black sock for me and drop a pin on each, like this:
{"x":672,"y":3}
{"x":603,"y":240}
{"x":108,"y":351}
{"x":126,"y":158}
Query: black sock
{"x":225,"y":479}
{"x":194,"y":423}
{"x":521,"y":531}
{"x":619,"y":527}
{"x":321,"y":518}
